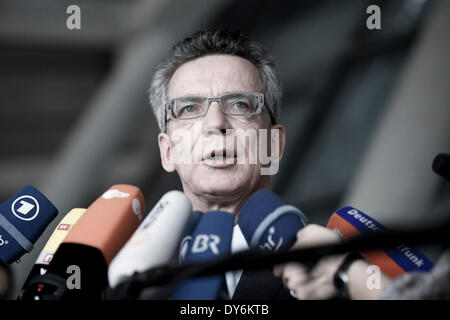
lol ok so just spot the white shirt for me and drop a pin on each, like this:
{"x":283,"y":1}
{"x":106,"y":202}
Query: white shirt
{"x":238,"y":243}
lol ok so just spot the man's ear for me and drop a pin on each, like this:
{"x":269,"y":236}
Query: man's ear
{"x":281,"y":142}
{"x":165,"y":150}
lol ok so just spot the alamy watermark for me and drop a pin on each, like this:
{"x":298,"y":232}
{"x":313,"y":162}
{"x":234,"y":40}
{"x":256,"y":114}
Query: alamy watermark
{"x":374,"y":20}
{"x":74,"y":279}
{"x":373,"y":281}
{"x":236,"y":146}
{"x":73,"y":21}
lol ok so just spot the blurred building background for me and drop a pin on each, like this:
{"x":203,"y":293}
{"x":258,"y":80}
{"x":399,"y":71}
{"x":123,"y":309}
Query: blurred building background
{"x":366,"y":111}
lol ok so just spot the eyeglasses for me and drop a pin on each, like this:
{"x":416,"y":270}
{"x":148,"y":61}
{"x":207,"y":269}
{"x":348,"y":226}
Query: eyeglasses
{"x":234,"y":104}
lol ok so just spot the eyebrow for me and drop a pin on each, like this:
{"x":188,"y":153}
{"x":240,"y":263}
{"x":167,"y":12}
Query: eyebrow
{"x":189,"y":95}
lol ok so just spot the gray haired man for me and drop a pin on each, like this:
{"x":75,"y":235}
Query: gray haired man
{"x":214,"y":95}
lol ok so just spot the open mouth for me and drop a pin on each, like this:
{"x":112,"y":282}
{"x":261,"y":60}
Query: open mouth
{"x":220,"y":158}
{"x":221,"y":154}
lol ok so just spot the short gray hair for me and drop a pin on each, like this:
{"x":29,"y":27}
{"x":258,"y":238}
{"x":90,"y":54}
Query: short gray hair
{"x":204,"y":43}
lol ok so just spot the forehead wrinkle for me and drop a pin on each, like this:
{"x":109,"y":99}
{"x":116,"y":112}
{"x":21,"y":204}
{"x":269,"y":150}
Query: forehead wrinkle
{"x":207,"y":76}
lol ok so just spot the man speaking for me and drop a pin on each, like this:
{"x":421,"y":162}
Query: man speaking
{"x":217,"y":99}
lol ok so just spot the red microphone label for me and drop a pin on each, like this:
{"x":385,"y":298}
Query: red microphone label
{"x":64,"y":226}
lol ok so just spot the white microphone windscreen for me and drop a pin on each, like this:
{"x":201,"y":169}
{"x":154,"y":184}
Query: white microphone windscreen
{"x":155,"y":240}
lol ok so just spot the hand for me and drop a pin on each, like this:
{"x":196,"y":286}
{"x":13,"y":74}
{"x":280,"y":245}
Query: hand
{"x":317,"y":284}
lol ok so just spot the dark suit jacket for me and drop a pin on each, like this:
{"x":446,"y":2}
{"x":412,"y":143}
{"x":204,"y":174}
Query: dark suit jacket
{"x":260,"y":285}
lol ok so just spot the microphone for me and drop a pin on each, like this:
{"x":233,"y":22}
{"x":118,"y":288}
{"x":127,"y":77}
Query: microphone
{"x":59,"y":234}
{"x":23,"y":218}
{"x":210,"y":241}
{"x":84,"y":255}
{"x":441,"y":165}
{"x":155,"y":241}
{"x":350,"y":222}
{"x":268,"y":223}
{"x":192,"y":223}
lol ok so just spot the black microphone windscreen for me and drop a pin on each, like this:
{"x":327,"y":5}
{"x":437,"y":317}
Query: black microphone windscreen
{"x":441,"y":165}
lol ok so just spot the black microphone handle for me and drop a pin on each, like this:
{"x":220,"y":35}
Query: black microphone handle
{"x":170,"y":274}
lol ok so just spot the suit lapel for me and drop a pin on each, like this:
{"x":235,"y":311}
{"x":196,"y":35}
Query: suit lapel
{"x":260,"y":284}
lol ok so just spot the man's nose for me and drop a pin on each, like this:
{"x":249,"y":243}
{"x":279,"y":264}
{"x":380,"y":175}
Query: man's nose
{"x":215,"y":119}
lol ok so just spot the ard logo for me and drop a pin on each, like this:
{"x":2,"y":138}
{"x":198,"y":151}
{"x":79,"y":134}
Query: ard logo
{"x":25,"y":208}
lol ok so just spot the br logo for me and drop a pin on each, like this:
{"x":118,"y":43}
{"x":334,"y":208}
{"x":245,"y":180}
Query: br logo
{"x":25,"y":208}
{"x":203,"y":242}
